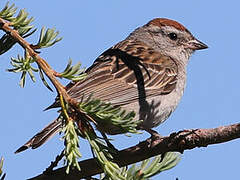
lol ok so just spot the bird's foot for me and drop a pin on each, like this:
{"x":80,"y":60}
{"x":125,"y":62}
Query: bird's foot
{"x":154,"y":136}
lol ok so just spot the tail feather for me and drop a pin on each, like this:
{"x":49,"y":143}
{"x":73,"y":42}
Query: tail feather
{"x":41,"y":137}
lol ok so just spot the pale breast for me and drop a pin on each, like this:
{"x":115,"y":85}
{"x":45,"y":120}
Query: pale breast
{"x":155,"y":110}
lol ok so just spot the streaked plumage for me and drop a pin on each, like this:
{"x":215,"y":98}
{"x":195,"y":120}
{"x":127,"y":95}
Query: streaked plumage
{"x":141,"y":73}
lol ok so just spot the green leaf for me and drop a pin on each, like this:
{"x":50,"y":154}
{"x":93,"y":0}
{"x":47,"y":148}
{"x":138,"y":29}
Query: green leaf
{"x":6,"y":43}
{"x":23,"y":64}
{"x":8,"y":11}
{"x":71,"y":151}
{"x":1,"y":165}
{"x":43,"y":79}
{"x":48,"y":37}
{"x":21,"y":23}
{"x":105,"y":114}
{"x":102,"y":153}
{"x":74,"y":73}
{"x":23,"y":78}
{"x":41,"y":35}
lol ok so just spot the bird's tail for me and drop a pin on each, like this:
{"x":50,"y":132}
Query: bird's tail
{"x":41,"y":137}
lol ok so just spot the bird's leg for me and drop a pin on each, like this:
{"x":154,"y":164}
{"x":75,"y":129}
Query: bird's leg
{"x":154,"y":136}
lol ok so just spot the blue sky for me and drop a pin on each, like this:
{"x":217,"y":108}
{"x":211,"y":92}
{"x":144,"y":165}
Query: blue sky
{"x":90,"y":27}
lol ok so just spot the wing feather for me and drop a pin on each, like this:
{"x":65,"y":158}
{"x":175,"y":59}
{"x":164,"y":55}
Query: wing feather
{"x":119,"y":73}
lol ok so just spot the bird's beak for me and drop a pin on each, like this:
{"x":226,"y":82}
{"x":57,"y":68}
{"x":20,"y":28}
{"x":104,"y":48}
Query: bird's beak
{"x":196,"y":45}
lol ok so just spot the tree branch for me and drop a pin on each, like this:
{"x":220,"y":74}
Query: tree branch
{"x":180,"y":141}
{"x":50,"y":73}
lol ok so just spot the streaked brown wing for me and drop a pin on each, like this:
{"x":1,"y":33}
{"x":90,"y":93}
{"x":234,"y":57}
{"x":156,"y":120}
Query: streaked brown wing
{"x":126,"y":73}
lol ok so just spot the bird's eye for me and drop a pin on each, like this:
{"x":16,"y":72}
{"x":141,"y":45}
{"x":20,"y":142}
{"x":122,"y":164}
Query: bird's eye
{"x":172,"y":36}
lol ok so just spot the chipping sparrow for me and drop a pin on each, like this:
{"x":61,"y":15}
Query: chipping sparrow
{"x":146,"y":73}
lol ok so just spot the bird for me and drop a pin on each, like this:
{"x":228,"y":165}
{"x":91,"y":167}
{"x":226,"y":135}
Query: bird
{"x":146,"y":73}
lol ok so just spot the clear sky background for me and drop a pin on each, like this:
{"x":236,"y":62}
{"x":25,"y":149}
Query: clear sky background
{"x":211,"y":97}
